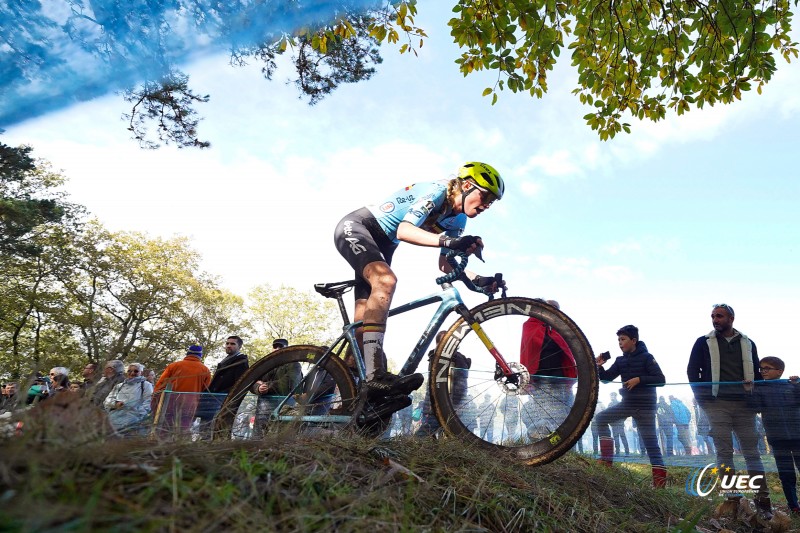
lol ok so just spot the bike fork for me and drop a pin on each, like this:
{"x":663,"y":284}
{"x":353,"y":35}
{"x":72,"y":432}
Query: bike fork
{"x":502,"y":365}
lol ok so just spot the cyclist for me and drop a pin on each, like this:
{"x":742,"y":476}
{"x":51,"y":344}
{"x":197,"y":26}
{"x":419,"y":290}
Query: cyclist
{"x":425,"y":214}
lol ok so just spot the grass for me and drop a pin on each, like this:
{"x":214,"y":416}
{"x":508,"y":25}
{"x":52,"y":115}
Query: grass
{"x":334,"y":483}
{"x":52,"y":479}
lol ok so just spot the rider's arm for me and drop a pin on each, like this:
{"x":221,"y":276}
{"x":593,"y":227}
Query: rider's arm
{"x":408,"y":232}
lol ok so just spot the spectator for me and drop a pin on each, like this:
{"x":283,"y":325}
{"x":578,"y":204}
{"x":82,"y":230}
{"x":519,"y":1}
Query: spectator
{"x":596,"y":429}
{"x":718,"y":364}
{"x":618,"y":430}
{"x":640,"y":373}
{"x":404,"y":421}
{"x":548,"y":358}
{"x":186,"y":378}
{"x":272,"y":386}
{"x":150,"y":375}
{"x":59,"y":380}
{"x":39,"y":390}
{"x":682,"y":418}
{"x":486,"y":415}
{"x":459,"y":370}
{"x":666,"y":425}
{"x":90,"y":376}
{"x":779,"y":404}
{"x":113,"y":375}
{"x":544,"y":352}
{"x":510,"y":406}
{"x":128,"y":403}
{"x":319,"y":391}
{"x":705,"y":443}
{"x":10,"y":399}
{"x":227,"y":373}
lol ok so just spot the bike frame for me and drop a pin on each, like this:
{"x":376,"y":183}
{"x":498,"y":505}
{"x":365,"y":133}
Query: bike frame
{"x":450,"y":300}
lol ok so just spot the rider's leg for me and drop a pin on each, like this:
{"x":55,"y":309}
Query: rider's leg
{"x":382,"y":282}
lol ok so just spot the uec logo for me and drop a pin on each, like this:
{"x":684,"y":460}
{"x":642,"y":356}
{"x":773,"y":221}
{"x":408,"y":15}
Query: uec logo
{"x":699,"y":484}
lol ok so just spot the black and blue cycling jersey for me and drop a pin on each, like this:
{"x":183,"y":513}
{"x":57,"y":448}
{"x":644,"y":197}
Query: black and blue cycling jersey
{"x":370,"y":234}
{"x":421,"y":204}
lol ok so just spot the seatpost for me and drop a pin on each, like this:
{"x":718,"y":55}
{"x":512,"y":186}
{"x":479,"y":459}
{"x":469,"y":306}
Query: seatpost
{"x":342,"y":308}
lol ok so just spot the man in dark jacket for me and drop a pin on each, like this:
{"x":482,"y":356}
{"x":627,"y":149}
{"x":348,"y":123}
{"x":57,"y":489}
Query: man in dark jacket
{"x":227,"y":373}
{"x":640,"y":374}
{"x":720,"y":361}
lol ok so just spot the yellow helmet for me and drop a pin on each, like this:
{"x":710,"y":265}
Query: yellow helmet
{"x":484,"y":176}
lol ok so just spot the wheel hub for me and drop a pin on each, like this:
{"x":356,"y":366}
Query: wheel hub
{"x":516,"y":383}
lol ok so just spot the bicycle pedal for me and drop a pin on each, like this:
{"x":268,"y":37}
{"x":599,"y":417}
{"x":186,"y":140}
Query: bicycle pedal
{"x":380,"y":412}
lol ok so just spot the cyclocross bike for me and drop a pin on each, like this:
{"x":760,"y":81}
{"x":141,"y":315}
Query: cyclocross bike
{"x":534,"y":418}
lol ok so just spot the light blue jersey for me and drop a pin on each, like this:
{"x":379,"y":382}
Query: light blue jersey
{"x":421,"y":204}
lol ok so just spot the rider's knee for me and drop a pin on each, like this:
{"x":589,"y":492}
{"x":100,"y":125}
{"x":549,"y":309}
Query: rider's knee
{"x":384,"y":282}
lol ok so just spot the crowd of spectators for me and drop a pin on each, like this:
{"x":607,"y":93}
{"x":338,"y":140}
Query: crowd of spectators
{"x":131,"y":395}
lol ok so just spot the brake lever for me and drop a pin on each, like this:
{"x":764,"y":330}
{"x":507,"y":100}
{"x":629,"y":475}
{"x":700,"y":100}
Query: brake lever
{"x":498,"y":278}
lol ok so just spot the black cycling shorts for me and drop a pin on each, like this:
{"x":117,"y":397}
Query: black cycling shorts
{"x":361,"y":241}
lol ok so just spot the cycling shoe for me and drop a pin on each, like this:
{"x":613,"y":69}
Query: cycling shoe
{"x":388,"y":384}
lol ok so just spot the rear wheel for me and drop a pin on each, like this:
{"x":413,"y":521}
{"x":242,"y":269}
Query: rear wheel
{"x":537,"y":418}
{"x":298,"y":386}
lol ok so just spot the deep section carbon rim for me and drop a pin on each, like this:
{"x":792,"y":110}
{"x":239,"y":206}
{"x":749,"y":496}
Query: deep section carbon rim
{"x":536,"y":417}
{"x":328,"y":389}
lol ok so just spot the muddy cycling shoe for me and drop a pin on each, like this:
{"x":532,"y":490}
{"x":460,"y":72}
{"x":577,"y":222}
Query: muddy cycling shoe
{"x":388,"y":384}
{"x":375,"y":413}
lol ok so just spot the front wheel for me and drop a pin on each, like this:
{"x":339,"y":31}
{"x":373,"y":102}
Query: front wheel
{"x":541,"y":411}
{"x":304,"y":392}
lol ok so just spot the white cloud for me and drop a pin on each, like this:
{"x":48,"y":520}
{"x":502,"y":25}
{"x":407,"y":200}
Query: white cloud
{"x":623,"y":247}
{"x":557,"y":163}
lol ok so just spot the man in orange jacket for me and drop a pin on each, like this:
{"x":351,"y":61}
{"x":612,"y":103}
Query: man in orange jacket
{"x":187,"y":379}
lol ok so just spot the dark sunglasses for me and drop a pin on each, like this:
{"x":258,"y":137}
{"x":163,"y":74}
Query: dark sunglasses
{"x":727,"y":307}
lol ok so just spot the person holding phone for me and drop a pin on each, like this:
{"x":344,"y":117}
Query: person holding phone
{"x":640,"y":375}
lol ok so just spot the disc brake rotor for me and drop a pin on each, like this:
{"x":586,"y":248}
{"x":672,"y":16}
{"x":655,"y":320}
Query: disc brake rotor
{"x":523,"y":377}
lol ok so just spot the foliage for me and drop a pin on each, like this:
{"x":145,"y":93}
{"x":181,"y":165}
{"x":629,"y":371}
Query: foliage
{"x":28,"y":200}
{"x":641,"y":59}
{"x":285,"y":312}
{"x":72,"y":292}
{"x":31,"y":336}
{"x":638,"y":58}
{"x":140,"y":298}
{"x":323,"y":57}
{"x":169,"y":103}
{"x":634,"y":59}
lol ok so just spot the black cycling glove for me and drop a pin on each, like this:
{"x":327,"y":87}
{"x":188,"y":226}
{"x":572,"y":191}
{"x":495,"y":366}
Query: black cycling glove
{"x":483,"y":281}
{"x":461,"y":244}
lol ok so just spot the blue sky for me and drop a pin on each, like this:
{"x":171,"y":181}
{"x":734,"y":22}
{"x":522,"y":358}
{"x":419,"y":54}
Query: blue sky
{"x":650,"y":228}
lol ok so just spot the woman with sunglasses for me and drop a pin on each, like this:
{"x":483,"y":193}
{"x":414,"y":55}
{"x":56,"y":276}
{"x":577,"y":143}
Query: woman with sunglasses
{"x":432,"y":214}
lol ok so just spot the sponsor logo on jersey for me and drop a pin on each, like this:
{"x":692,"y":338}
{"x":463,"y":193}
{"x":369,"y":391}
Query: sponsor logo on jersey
{"x":404,"y":199}
{"x":410,"y":186}
{"x":423,"y":210}
{"x":388,"y":207}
